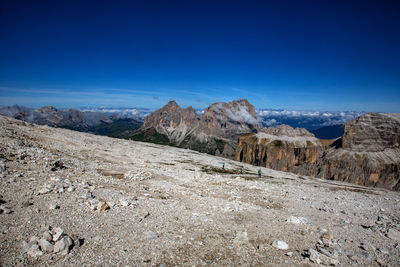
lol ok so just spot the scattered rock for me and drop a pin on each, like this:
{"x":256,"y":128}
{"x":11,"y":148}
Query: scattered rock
{"x":383,"y":251}
{"x":367,"y":247}
{"x":102,"y":206}
{"x":47,"y":236}
{"x":297,"y":220}
{"x":394,"y":234}
{"x":150,"y":235}
{"x":28,"y":246}
{"x":326,"y":236}
{"x":289,"y":254}
{"x":58,"y":232}
{"x":45,"y":245}
{"x":26,"y":204}
{"x":71,"y":189}
{"x":140,"y":175}
{"x":279,"y":244}
{"x":63,"y":246}
{"x":58,"y":165}
{"x":319,"y":258}
{"x":53,"y":206}
{"x":95,"y":239}
{"x":4,"y":209}
{"x":329,"y":252}
{"x":34,"y":251}
{"x":124,"y":202}
{"x":44,"y":191}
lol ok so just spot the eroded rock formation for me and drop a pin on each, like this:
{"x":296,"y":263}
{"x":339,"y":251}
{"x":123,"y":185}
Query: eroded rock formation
{"x":280,"y":148}
{"x":367,"y":154}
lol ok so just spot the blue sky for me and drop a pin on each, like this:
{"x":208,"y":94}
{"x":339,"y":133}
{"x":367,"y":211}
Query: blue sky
{"x":307,"y":55}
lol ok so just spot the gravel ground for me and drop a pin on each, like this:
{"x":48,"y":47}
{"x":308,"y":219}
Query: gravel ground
{"x":120,"y":202}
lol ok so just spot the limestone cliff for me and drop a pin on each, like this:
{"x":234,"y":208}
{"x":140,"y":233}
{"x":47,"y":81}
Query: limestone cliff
{"x":369,"y":154}
{"x":279,"y":148}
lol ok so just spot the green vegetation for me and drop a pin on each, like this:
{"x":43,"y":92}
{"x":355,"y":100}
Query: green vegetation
{"x":150,"y":136}
{"x":118,"y":128}
{"x":220,"y":145}
{"x":212,"y":169}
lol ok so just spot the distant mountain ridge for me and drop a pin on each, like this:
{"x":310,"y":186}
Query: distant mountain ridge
{"x":215,"y":132}
{"x":94,"y":122}
{"x":311,"y":120}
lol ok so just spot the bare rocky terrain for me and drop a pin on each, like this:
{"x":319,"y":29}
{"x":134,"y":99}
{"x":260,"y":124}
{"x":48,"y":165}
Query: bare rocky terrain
{"x":367,"y":154}
{"x":70,"y":198}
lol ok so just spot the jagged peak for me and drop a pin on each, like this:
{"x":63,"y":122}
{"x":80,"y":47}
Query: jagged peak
{"x":48,"y":109}
{"x":172,"y":103}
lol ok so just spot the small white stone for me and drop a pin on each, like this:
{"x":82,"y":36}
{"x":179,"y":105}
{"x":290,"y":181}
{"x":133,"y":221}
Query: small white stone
{"x":150,"y":235}
{"x":124,"y":202}
{"x":44,"y":191}
{"x":279,"y":244}
{"x":53,"y":206}
{"x":71,"y":189}
{"x":297,"y":220}
{"x":58,"y":232}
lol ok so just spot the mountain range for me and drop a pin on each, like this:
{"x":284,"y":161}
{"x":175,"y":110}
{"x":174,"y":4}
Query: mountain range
{"x":363,"y":151}
{"x":325,"y":125}
{"x":215,"y":132}
{"x":102,"y":123}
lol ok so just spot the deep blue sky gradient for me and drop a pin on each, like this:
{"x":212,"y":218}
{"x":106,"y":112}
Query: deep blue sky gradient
{"x":309,"y":55}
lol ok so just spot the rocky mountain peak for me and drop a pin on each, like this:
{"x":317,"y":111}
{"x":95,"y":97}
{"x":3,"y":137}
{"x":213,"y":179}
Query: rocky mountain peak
{"x":372,"y":132}
{"x":172,"y":121}
{"x":172,"y":105}
{"x":48,"y":109}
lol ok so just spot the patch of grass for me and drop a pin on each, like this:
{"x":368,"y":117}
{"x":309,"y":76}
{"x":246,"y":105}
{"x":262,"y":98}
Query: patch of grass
{"x":211,"y":169}
{"x":150,"y":136}
{"x":357,"y":190}
{"x":117,"y":128}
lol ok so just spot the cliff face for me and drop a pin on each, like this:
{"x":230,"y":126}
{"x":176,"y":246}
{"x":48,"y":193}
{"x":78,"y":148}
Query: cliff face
{"x":369,"y":154}
{"x":372,"y":132}
{"x":380,"y":169}
{"x":279,"y":148}
{"x":215,"y":132}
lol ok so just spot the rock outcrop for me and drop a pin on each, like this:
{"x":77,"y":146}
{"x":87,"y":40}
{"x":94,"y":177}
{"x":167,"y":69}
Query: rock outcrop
{"x":280,"y":148}
{"x":372,"y":132}
{"x":367,"y":154}
{"x":215,"y":132}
